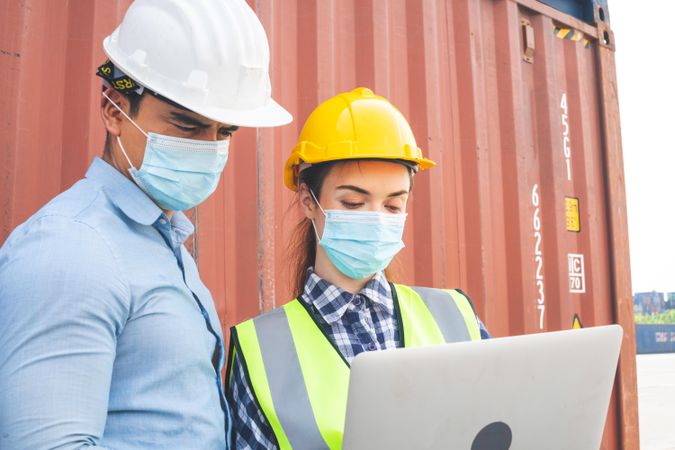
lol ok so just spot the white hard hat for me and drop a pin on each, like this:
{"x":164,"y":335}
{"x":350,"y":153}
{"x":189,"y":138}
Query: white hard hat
{"x":210,"y":56}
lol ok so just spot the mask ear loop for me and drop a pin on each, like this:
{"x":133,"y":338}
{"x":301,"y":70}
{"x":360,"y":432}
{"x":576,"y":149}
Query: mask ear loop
{"x":119,"y":141}
{"x":316,"y":232}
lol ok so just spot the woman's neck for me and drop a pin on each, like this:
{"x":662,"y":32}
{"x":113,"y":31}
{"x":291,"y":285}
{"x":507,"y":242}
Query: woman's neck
{"x":326,"y":270}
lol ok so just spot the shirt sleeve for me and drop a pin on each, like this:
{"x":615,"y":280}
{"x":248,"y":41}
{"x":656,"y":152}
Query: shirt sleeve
{"x":64,"y":302}
{"x":251,"y":428}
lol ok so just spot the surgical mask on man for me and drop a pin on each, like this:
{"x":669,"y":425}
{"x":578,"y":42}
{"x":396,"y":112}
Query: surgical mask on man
{"x":360,"y":243}
{"x":177,"y":173}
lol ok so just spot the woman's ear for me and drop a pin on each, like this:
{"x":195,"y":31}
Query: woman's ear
{"x":307,"y":202}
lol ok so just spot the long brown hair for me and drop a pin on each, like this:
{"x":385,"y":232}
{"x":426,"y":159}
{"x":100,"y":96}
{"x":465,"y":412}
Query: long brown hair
{"x":302,"y":244}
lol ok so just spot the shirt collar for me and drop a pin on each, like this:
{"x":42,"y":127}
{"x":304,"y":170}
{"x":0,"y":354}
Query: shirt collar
{"x":182,"y":226}
{"x":332,"y":302}
{"x":131,"y":200}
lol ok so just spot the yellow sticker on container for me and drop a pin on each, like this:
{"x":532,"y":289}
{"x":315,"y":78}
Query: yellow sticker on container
{"x":576,"y":322}
{"x":572,"y":214}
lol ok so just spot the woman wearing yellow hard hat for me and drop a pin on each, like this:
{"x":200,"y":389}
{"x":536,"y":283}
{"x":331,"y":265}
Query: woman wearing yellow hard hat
{"x":288,"y":372}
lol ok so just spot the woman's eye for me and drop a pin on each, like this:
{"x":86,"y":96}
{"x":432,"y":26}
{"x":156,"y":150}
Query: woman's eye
{"x":351,"y":205}
{"x":393,"y":208}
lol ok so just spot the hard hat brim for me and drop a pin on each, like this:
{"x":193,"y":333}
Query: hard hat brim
{"x":422,"y":163}
{"x":290,"y":174}
{"x":272,"y":114}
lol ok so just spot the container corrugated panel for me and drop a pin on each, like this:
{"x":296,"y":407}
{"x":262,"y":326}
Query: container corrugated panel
{"x":654,"y":338}
{"x":515,"y":100}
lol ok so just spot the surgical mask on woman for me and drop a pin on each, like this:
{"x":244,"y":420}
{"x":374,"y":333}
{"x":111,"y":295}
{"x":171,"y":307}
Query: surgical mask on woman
{"x":360,"y":243}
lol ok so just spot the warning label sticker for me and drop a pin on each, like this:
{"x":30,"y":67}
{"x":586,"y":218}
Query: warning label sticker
{"x":577,"y":274}
{"x":572,"y":214}
{"x":576,"y":322}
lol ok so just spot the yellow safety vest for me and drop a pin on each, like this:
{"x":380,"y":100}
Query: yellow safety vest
{"x":300,"y":380}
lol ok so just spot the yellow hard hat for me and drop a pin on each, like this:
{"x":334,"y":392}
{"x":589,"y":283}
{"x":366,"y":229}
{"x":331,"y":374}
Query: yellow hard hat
{"x":353,"y":125}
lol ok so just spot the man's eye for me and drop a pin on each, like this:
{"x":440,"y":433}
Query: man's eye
{"x":225,"y":132}
{"x":186,"y":129}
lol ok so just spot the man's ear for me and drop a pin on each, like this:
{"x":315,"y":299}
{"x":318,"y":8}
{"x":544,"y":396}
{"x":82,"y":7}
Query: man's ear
{"x":307,"y":202}
{"x":112,"y":118}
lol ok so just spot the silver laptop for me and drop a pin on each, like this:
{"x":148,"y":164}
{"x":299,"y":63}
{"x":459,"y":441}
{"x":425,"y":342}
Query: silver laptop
{"x":539,"y":391}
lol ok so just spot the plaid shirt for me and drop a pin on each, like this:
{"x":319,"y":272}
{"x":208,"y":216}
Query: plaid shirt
{"x":355,"y":323}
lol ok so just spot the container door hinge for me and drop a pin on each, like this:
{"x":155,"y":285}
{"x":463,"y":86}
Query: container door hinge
{"x":528,"y":40}
{"x":605,"y":33}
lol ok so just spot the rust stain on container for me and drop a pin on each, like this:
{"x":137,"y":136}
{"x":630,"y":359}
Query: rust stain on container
{"x":513,"y":140}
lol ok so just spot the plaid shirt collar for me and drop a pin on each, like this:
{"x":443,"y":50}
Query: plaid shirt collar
{"x":332,"y":302}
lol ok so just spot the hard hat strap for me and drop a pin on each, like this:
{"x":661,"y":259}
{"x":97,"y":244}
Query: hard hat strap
{"x":117,"y":79}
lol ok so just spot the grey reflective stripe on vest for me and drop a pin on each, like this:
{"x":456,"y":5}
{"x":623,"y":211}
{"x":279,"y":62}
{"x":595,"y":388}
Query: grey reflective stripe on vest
{"x":447,"y":315}
{"x":289,"y":395}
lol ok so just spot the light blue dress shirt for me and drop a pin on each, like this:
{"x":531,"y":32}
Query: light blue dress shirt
{"x":108,"y":337}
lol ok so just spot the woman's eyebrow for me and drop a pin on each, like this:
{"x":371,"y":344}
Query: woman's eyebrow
{"x":353,"y":188}
{"x":364,"y":192}
{"x":397,"y":193}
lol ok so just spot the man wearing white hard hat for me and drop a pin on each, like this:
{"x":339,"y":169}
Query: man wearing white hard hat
{"x":108,"y":337}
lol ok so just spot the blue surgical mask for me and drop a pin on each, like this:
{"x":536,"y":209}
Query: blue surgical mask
{"x":177,"y":173}
{"x":361,"y":243}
